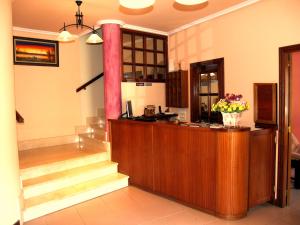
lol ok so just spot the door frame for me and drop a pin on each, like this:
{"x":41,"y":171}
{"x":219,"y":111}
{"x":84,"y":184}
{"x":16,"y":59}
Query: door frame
{"x":283,"y":133}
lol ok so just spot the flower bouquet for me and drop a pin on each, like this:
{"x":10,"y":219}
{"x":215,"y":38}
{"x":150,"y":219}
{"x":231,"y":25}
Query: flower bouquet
{"x":231,"y":108}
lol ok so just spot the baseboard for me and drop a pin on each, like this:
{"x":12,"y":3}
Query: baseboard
{"x":46,"y":142}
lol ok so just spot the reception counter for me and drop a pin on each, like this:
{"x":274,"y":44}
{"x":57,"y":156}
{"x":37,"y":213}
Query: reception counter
{"x":220,"y":171}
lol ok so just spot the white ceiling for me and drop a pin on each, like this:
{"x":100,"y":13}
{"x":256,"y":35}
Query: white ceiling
{"x":165,"y":15}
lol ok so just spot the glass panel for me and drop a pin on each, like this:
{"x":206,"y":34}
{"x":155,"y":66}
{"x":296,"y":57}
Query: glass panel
{"x":150,"y":72}
{"x":204,"y":83}
{"x":127,"y":41}
{"x":203,"y":104}
{"x":139,"y":72}
{"x":139,"y":57}
{"x":127,"y":72}
{"x":160,"y":59}
{"x":138,"y":41}
{"x":214,"y":116}
{"x":214,"y":83}
{"x":149,"y":43}
{"x":161,"y":73}
{"x":159,"y":45}
{"x":150,"y":58}
{"x":127,"y":55}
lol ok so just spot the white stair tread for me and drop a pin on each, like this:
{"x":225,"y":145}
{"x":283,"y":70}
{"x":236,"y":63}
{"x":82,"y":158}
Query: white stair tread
{"x":96,"y":136}
{"x":62,"y":165}
{"x":57,"y":200}
{"x":67,"y":173}
{"x":73,"y":190}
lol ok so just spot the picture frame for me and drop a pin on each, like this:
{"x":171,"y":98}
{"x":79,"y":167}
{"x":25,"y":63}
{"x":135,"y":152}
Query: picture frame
{"x":35,"y":52}
{"x":265,"y":105}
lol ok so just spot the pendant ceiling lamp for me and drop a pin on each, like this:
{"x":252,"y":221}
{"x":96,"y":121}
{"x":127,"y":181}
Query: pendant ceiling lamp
{"x":190,"y":2}
{"x":136,"y":4}
{"x":65,"y":35}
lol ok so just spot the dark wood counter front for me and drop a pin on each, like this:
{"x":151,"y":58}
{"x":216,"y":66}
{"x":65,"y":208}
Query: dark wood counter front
{"x":209,"y":169}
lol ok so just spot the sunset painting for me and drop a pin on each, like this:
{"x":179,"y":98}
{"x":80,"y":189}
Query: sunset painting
{"x":30,"y":51}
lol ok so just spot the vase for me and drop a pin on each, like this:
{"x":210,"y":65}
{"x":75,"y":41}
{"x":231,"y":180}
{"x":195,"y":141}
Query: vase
{"x":231,"y":119}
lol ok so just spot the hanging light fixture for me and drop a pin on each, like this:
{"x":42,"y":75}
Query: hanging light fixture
{"x":190,"y":2}
{"x":65,"y":35}
{"x":136,"y":4}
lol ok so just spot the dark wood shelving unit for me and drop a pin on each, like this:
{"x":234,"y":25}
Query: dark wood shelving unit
{"x":177,"y":89}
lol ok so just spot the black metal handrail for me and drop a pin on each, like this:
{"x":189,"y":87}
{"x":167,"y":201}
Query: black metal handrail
{"x":89,"y":82}
{"x":19,"y":118}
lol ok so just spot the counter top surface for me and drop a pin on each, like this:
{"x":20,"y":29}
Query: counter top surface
{"x":216,"y":127}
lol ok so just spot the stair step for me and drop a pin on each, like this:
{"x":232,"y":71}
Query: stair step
{"x":98,"y":137}
{"x":47,"y":203}
{"x":54,"y":181}
{"x":58,"y":166}
{"x":88,"y":141}
{"x":95,"y":120}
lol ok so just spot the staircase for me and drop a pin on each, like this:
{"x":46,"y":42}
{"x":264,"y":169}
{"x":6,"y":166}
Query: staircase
{"x":69,"y":174}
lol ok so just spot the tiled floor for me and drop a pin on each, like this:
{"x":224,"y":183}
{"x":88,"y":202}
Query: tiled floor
{"x":40,"y":156}
{"x":132,"y":206}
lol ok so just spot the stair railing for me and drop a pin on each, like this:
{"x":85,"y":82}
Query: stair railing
{"x":89,"y":82}
{"x":19,"y":118}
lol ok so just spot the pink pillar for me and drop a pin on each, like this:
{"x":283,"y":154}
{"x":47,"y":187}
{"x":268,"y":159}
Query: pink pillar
{"x":112,"y":71}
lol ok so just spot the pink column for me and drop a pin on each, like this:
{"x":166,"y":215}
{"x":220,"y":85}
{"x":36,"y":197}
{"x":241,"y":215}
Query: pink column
{"x":112,"y":71}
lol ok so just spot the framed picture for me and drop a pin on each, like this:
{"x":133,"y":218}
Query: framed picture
{"x":265,"y":104}
{"x":37,"y":52}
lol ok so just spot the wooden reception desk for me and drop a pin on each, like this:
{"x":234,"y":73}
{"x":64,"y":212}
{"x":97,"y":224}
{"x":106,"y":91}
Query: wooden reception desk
{"x":220,"y":171}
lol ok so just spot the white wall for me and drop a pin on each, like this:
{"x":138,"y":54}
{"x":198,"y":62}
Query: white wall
{"x":91,"y":64}
{"x":248,"y":39}
{"x":141,"y":96}
{"x":9,"y":167}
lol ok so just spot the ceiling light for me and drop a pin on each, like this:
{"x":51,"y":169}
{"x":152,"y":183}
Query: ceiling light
{"x":65,"y":36}
{"x":136,"y":4}
{"x":190,"y":2}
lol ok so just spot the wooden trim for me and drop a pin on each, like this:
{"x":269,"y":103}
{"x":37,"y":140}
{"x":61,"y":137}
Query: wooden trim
{"x":283,"y":153}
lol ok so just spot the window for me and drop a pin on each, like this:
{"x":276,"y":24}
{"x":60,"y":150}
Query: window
{"x":144,"y":56}
{"x":207,"y":87}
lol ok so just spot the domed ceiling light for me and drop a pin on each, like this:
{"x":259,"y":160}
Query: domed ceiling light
{"x":65,"y":35}
{"x":190,"y":2}
{"x":136,"y":4}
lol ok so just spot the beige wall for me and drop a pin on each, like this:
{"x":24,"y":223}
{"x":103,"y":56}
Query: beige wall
{"x":91,"y":64}
{"x":9,"y":168}
{"x":46,"y":97}
{"x":142,"y":96}
{"x":248,"y":39}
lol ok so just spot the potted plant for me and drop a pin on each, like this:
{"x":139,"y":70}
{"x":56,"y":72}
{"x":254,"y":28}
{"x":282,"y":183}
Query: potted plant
{"x":231,"y":108}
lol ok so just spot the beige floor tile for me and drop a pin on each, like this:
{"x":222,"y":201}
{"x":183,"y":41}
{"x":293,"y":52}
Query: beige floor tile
{"x":68,"y":216}
{"x":132,"y":206}
{"x":38,"y":221}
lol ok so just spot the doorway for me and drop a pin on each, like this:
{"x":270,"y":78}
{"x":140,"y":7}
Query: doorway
{"x":284,"y":132}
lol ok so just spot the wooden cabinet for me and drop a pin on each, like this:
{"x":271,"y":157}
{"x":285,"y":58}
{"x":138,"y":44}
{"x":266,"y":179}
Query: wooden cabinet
{"x":221,"y":171}
{"x":171,"y":174}
{"x":132,"y":146}
{"x":177,"y":89}
{"x":202,"y":165}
